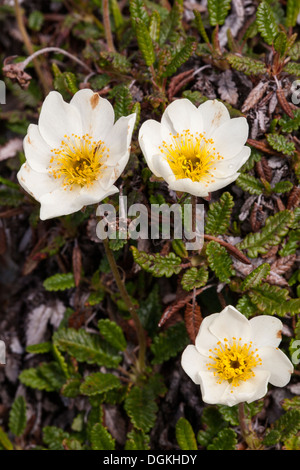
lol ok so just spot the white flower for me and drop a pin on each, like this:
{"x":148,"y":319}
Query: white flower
{"x":75,"y":153}
{"x":195,"y":150}
{"x":234,"y":358}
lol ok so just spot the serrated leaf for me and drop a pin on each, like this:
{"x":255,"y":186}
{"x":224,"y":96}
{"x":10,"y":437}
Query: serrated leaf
{"x":144,"y":42}
{"x":289,"y":124}
{"x":185,"y":435}
{"x":245,"y":306}
{"x":138,"y":10}
{"x":194,"y":278}
{"x":122,"y":107}
{"x":53,"y":437}
{"x":71,"y":387}
{"x":218,"y":11}
{"x":285,"y":427}
{"x":218,"y":215}
{"x":99,"y":382}
{"x":266,"y":23}
{"x":280,"y":43}
{"x":85,"y":347}
{"x":219,"y":261}
{"x":292,"y":12}
{"x":157,"y":264}
{"x":281,"y":144}
{"x":213,"y":422}
{"x":17,"y":416}
{"x":293,"y":68}
{"x":180,"y":57}
{"x":256,"y":277}
{"x":101,"y":439}
{"x":5,"y":441}
{"x":271,"y":299}
{"x":112,"y":333}
{"x":225,"y":440}
{"x":283,"y":187}
{"x":40,"y":348}
{"x":137,"y":440}
{"x":47,"y":376}
{"x":154,"y":26}
{"x":169,"y":343}
{"x":249,"y":184}
{"x":276,"y":227}
{"x":141,"y":407}
{"x":59,"y":282}
{"x":247,"y":65}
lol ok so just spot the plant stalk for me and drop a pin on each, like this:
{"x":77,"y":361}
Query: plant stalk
{"x":132,"y":309}
{"x":107,"y":27}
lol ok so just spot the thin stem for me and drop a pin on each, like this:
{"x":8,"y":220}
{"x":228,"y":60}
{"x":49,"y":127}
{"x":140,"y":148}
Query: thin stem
{"x":132,"y":309}
{"x":28,"y":45}
{"x":194,"y":214}
{"x":45,"y":50}
{"x":107,"y":27}
{"x":248,"y":434}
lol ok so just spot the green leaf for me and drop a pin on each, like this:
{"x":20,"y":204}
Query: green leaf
{"x":112,"y":333}
{"x":137,"y":440}
{"x":256,"y":277}
{"x":154,"y":26}
{"x":71,"y":388}
{"x":218,"y":215}
{"x":35,"y":20}
{"x":4,"y":440}
{"x":122,"y":107}
{"x":47,"y":376}
{"x":292,"y":12}
{"x":245,"y":306}
{"x":247,"y":65}
{"x":85,"y":347}
{"x":280,"y":43}
{"x":101,"y":439}
{"x":138,"y":10}
{"x":273,"y":300}
{"x":17,"y":416}
{"x":169,"y":343}
{"x":266,"y":22}
{"x":200,"y":26}
{"x":218,"y":11}
{"x":284,"y":428}
{"x":194,"y":278}
{"x":150,"y":311}
{"x":225,"y":440}
{"x":293,"y":68}
{"x":99,"y":382}
{"x":276,"y":227}
{"x":141,"y":407}
{"x":180,"y":57}
{"x":283,"y":187}
{"x":212,"y":422}
{"x":249,"y":184}
{"x":185,"y":435}
{"x":53,"y":437}
{"x":157,"y":264}
{"x":219,"y":261}
{"x":281,"y":144}
{"x":40,"y":348}
{"x":291,"y":246}
{"x":144,"y":42}
{"x":289,"y":124}
{"x":59,"y":282}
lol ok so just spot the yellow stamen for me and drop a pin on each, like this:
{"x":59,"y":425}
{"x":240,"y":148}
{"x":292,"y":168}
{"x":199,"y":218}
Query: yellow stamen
{"x":191,"y":156}
{"x":79,"y":160}
{"x":233,"y":361}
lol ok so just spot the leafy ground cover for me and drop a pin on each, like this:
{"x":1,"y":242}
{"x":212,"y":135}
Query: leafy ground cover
{"x":72,"y":379}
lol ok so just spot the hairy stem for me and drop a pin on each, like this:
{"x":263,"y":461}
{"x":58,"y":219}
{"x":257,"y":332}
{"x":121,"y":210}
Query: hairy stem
{"x":248,"y":434}
{"x":131,"y":308}
{"x":107,"y":27}
{"x":45,"y":50}
{"x":29,"y":47}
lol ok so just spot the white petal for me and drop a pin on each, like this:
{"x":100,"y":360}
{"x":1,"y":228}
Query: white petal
{"x":212,"y":391}
{"x":248,"y":391}
{"x":205,"y":340}
{"x":97,"y":114}
{"x":278,"y":364}
{"x":266,"y":330}
{"x":60,"y":202}
{"x":230,"y":137}
{"x":186,"y":185}
{"x":162,"y":167}
{"x":150,"y":138}
{"x":35,"y":183}
{"x":182,"y":115}
{"x":58,"y":118}
{"x":231,"y":324}
{"x":220,"y":183}
{"x":119,"y":138}
{"x":37,"y":151}
{"x":226,"y":168}
{"x":192,"y":362}
{"x":214,"y":114}
{"x":96,"y":193}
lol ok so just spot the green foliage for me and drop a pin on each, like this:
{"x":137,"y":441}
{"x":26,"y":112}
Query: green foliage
{"x":292,"y":12}
{"x":112,"y":333}
{"x":157,"y":264}
{"x":286,"y":427}
{"x":185,"y":435}
{"x":266,"y":23}
{"x":85,"y":347}
{"x":137,"y":440}
{"x":194,"y":278}
{"x":47,"y":376}
{"x":5,"y":441}
{"x":101,"y":439}
{"x":218,"y":11}
{"x":59,"y":282}
{"x":274,"y":300}
{"x":213,"y":423}
{"x":247,"y":65}
{"x":17,"y":416}
{"x":99,"y":382}
{"x":281,"y":144}
{"x":255,"y":278}
{"x":219,"y":261}
{"x":250,"y":184}
{"x":169,"y":343}
{"x":144,"y":42}
{"x":180,"y":57}
{"x":218,"y":215}
{"x":289,"y":124}
{"x":225,"y":440}
{"x":276,"y":227}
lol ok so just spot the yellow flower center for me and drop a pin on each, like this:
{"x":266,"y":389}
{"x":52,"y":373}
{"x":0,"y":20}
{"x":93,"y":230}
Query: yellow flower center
{"x":191,"y":156}
{"x":79,"y":160}
{"x":233,"y":361}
